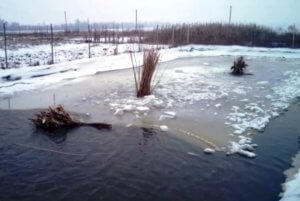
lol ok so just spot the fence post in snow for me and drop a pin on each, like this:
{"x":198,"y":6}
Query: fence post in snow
{"x":294,"y":40}
{"x":188,"y":35}
{"x":139,"y":39}
{"x":173,"y":36}
{"x":89,"y":39}
{"x":5,"y":45}
{"x":157,"y":37}
{"x":294,"y":36}
{"x":52,"y":53}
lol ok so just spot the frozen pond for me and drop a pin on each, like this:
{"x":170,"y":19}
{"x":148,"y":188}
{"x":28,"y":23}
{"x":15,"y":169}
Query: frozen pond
{"x":197,"y":100}
{"x":192,"y":95}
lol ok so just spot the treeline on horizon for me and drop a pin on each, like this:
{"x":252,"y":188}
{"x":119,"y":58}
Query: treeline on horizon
{"x":179,"y":34}
{"x":223,"y":34}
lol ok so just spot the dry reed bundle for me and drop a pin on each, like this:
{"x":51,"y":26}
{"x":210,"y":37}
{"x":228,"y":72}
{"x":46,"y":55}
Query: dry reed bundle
{"x":143,"y":76}
{"x":55,"y":118}
{"x":239,"y":66}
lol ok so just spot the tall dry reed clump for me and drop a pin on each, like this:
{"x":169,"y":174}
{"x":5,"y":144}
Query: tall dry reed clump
{"x":145,"y":74}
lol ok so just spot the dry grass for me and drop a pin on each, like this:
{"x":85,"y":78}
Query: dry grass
{"x":144,"y":75}
{"x":239,"y":66}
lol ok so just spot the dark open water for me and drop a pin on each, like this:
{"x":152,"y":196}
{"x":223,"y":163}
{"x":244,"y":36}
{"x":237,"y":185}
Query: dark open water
{"x":138,"y":164}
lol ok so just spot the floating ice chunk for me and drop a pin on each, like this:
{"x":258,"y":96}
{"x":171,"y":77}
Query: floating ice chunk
{"x":171,"y":114}
{"x":83,"y":99}
{"x":245,"y":100}
{"x":147,"y":99}
{"x":170,"y":104}
{"x":158,"y":103}
{"x":239,"y":91}
{"x":235,"y":108}
{"x":143,"y":109}
{"x":241,"y":149}
{"x":270,"y":97}
{"x":218,"y":105}
{"x":206,"y":64}
{"x":262,"y":82}
{"x":87,"y":114}
{"x":164,"y":128}
{"x":119,"y":112}
{"x":128,"y":108}
{"x":274,"y":114}
{"x":128,"y":125}
{"x":113,"y":105}
{"x":192,"y":154}
{"x":209,"y":151}
{"x":254,"y":107}
{"x":246,"y":153}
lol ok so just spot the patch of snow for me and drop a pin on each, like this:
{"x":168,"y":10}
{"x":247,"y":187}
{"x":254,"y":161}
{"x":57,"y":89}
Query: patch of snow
{"x":164,"y":128}
{"x":244,"y":147}
{"x":292,"y":192}
{"x":209,"y":151}
{"x":119,"y":112}
{"x":218,"y":105}
{"x":262,"y":82}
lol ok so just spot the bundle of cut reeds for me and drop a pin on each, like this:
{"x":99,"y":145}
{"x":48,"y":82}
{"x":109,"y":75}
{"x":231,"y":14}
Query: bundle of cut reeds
{"x":55,"y":118}
{"x":143,"y":76}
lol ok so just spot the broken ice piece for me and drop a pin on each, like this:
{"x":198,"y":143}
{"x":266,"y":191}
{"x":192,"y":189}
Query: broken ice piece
{"x":143,"y":109}
{"x":119,"y":112}
{"x":164,"y":128}
{"x":209,"y":151}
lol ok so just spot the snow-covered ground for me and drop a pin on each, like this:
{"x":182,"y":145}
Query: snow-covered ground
{"x":292,"y":185}
{"x":27,"y":78}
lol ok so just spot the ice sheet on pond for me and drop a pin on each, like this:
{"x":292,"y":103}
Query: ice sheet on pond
{"x":243,"y":103}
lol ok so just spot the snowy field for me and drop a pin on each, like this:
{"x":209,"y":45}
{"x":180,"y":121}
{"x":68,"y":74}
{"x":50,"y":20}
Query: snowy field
{"x":239,"y":106}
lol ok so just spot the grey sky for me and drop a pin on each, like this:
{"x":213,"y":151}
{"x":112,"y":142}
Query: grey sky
{"x":268,"y":12}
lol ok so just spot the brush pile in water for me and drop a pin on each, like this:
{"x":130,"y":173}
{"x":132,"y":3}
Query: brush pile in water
{"x":239,"y":66}
{"x":55,"y":118}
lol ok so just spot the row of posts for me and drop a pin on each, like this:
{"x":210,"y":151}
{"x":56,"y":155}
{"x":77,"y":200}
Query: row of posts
{"x":88,"y":40}
{"x":51,"y":42}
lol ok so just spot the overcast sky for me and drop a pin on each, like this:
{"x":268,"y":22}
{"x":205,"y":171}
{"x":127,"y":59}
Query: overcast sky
{"x":275,"y":13}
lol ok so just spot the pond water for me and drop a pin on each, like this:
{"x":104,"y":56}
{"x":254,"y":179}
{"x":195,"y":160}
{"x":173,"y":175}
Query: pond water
{"x":132,"y":163}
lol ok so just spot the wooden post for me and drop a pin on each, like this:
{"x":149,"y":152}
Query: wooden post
{"x":52,"y":52}
{"x":113,"y":34}
{"x":54,"y":99}
{"x":89,"y":40}
{"x":294,"y":40}
{"x":157,"y":37}
{"x":139,"y":35}
{"x":9,"y":103}
{"x":136,"y":18}
{"x":294,"y":36}
{"x":66,"y":22}
{"x":230,"y":13}
{"x":5,"y":45}
{"x":188,"y":35}
{"x":173,"y":36}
